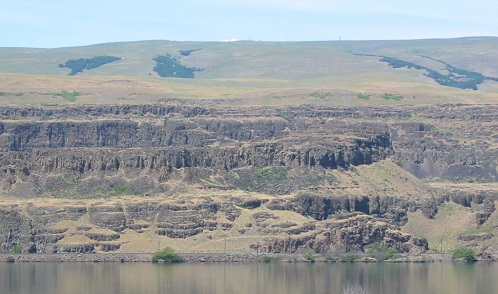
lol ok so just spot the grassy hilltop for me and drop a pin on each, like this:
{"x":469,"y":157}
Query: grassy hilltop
{"x":264,"y":73}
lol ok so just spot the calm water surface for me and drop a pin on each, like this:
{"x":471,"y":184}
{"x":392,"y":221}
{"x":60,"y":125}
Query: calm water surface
{"x":274,"y":278}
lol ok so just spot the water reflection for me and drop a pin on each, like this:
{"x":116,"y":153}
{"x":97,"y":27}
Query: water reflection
{"x":276,"y":278}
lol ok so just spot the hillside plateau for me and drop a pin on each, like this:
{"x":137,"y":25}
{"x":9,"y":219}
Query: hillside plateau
{"x":348,"y":73}
{"x":269,"y":147}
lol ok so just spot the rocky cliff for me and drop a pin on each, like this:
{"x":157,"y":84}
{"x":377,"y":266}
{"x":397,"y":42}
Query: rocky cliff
{"x":289,"y":179}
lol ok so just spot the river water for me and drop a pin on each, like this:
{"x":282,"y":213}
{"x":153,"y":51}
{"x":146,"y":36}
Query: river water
{"x":241,"y":278}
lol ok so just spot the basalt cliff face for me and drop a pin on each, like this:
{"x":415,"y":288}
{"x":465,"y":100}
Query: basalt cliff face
{"x":130,"y":178}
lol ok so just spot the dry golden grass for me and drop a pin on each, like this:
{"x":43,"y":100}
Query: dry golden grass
{"x":256,"y":72}
{"x":27,"y":89}
{"x":148,"y":241}
{"x":466,"y":187}
{"x":452,"y":221}
{"x":383,"y":178}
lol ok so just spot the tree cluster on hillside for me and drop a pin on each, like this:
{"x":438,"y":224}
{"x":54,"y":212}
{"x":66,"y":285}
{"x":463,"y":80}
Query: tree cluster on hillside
{"x":168,"y":66}
{"x":187,"y":52}
{"x":81,"y":64}
{"x":396,"y":63}
{"x":457,"y":78}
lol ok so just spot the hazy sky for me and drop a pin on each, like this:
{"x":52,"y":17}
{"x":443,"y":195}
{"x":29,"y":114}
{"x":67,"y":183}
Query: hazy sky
{"x":61,"y":23}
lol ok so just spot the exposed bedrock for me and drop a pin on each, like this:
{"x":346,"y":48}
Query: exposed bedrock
{"x":41,"y":161}
{"x":21,"y":136}
{"x":347,"y":223}
{"x":48,"y":229}
{"x":485,"y":199}
{"x":93,"y":152}
{"x":322,"y":207}
{"x":32,"y":228}
{"x":81,"y":161}
{"x":55,"y":169}
{"x":453,"y":142}
{"x":92,"y":111}
{"x":426,"y":151}
{"x":352,"y":234}
{"x":124,"y":133}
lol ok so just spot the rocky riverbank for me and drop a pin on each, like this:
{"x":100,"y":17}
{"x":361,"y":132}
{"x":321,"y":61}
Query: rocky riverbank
{"x":76,"y":257}
{"x":217,"y":257}
{"x":127,"y":257}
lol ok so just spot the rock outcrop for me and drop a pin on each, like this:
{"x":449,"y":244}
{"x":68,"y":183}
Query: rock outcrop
{"x":32,"y":227}
{"x":294,"y":160}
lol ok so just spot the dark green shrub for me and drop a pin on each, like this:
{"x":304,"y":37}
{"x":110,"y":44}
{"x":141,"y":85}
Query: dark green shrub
{"x":309,"y":256}
{"x":392,"y":97}
{"x":16,"y":249}
{"x":119,"y":191}
{"x":465,"y":253}
{"x":363,"y":96}
{"x":273,"y":174}
{"x":69,"y":96}
{"x":381,"y":251}
{"x":167,"y":254}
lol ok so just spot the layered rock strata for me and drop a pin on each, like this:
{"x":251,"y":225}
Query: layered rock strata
{"x":293,"y":158}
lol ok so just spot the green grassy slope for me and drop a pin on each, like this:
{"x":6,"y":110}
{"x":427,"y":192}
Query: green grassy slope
{"x":280,"y":69}
{"x":248,"y":59}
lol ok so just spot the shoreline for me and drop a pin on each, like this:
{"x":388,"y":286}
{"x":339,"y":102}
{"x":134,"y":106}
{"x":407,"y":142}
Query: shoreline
{"x":210,"y":258}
